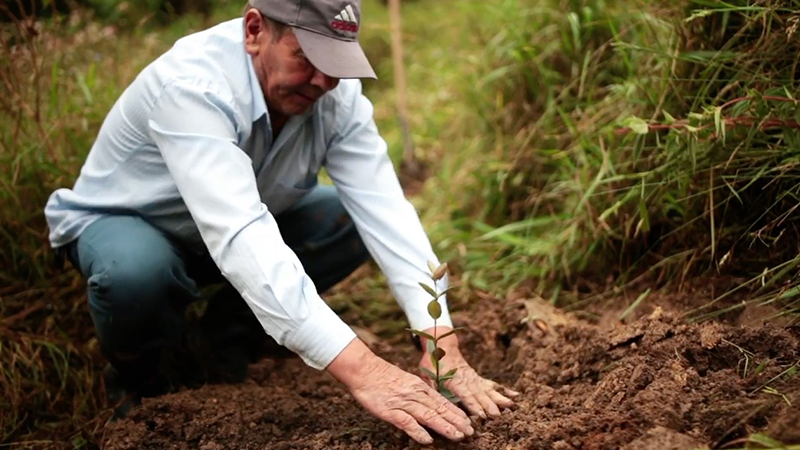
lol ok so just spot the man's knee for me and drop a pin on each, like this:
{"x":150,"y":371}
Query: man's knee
{"x":131,"y":284}
{"x":136,"y":303}
{"x":137,"y":286}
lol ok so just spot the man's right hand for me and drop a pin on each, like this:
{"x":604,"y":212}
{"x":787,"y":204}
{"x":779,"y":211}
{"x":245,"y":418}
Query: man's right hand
{"x":398,"y":397}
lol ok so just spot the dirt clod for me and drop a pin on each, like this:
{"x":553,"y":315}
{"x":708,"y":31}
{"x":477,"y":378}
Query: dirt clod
{"x":664,"y":439}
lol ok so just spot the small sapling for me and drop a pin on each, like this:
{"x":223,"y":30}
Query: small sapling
{"x":432,"y":348}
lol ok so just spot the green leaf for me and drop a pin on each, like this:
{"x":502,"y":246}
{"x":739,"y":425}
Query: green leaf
{"x":644,"y":215}
{"x":441,"y":294}
{"x":698,"y":13}
{"x":449,"y":375}
{"x":447,"y":393}
{"x":421,"y":333}
{"x":669,"y":119}
{"x":637,"y":125}
{"x":719,"y":125}
{"x":428,"y":289}
{"x":78,"y":442}
{"x":450,"y":332}
{"x":635,"y":304}
{"x":435,"y":363}
{"x":431,"y":346}
{"x":427,"y":372}
{"x":763,"y":439}
{"x":435,"y":309}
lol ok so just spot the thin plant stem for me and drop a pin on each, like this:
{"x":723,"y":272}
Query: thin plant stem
{"x":435,"y":346}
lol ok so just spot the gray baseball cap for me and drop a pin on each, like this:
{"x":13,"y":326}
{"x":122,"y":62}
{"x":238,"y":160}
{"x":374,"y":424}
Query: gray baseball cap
{"x":327,"y":31}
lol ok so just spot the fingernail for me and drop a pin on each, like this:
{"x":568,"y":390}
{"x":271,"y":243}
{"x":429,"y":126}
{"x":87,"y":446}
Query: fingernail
{"x":459,"y":434}
{"x":470,"y":430}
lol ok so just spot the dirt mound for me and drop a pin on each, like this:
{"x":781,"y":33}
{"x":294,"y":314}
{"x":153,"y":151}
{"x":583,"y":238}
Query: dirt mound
{"x":654,"y":383}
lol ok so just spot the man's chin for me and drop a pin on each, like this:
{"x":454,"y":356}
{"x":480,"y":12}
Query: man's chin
{"x":296,"y":106}
{"x":299,"y":108}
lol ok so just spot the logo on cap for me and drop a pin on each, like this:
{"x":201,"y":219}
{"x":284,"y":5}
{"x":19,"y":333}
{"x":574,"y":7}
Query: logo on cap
{"x":346,"y":20}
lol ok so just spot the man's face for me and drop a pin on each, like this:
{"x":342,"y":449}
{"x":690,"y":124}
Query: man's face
{"x":291,"y":84}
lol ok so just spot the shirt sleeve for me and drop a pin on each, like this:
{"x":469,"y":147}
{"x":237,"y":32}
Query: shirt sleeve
{"x":194,"y":127}
{"x":359,"y":165}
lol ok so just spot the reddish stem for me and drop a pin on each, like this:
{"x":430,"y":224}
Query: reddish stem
{"x":741,"y":121}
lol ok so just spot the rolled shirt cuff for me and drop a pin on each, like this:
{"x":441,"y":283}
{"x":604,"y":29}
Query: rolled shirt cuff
{"x":320,"y":338}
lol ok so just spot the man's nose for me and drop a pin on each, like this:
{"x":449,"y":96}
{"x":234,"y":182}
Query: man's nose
{"x":323,"y":81}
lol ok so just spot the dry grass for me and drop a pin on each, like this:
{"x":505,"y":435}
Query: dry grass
{"x":57,"y":79}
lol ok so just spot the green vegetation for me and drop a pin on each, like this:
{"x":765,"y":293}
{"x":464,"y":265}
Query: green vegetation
{"x":624,"y":137}
{"x":633,"y":139}
{"x":762,"y":441}
{"x":432,"y":347}
{"x":565,"y":140}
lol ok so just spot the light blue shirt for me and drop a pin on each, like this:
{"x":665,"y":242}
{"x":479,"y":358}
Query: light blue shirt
{"x":189,"y":146}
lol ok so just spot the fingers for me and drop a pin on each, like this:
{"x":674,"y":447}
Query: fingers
{"x":509,"y":392}
{"x":487,"y":404}
{"x":500,"y":400}
{"x":433,"y":419}
{"x":438,"y":401}
{"x":484,"y":399}
{"x":405,"y":422}
{"x":472,"y":404}
{"x":448,"y":411}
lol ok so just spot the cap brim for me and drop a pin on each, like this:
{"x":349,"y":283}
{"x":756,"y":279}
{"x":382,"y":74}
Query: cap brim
{"x":335,"y":58}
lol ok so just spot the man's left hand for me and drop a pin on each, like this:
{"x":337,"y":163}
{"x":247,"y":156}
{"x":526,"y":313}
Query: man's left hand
{"x":481,"y":396}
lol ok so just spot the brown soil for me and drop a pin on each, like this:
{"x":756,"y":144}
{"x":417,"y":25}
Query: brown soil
{"x":654,"y":383}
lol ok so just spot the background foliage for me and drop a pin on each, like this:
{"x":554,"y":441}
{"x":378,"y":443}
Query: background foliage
{"x":568,"y":143}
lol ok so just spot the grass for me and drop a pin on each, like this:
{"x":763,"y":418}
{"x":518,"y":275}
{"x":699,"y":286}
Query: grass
{"x":629,"y":139}
{"x":567,"y":141}
{"x":762,"y":441}
{"x":57,"y":81}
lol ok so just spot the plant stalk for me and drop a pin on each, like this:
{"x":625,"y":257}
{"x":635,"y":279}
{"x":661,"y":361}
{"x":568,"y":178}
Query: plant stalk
{"x":435,"y":346}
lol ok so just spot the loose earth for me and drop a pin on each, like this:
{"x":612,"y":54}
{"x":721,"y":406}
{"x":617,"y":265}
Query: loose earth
{"x":656,"y":382}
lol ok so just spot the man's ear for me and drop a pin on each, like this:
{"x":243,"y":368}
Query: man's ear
{"x":254,"y":31}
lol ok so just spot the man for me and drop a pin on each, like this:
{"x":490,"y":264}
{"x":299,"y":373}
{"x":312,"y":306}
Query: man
{"x":205,"y":171}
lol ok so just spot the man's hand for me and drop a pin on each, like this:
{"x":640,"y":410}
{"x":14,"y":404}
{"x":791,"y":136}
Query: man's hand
{"x":480,"y":396}
{"x":396,"y":396}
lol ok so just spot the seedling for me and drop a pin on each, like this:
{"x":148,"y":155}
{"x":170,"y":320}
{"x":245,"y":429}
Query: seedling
{"x":432,"y":348}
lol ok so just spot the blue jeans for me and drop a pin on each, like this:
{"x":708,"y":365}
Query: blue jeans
{"x":139,"y":283}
